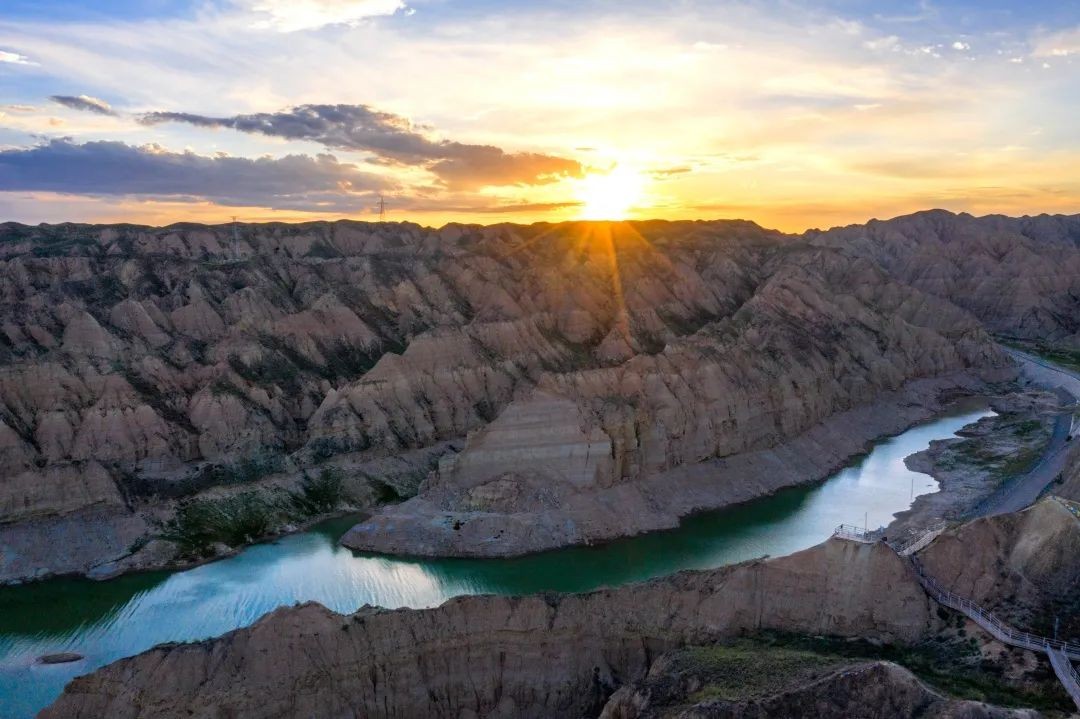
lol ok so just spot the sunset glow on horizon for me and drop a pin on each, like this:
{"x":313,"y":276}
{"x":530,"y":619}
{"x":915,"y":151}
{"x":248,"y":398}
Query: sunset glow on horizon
{"x":795,"y":115}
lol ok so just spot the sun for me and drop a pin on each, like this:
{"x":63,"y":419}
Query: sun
{"x":609,"y":196}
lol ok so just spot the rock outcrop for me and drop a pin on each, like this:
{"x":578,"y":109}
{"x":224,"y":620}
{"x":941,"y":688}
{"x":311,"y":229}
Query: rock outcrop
{"x":1020,"y":276}
{"x":1070,"y":478}
{"x":1022,"y":566}
{"x":139,"y":364}
{"x":878,"y":689}
{"x":535,"y":507}
{"x":540,"y":656}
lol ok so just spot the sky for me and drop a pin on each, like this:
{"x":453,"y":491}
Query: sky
{"x":792,"y":113}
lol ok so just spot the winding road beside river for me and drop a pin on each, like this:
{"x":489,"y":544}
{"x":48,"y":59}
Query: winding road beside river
{"x":1024,"y":492}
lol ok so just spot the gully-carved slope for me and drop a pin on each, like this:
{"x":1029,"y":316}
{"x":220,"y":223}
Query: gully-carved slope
{"x":552,"y":656}
{"x":141,"y":365}
{"x":1020,"y":276}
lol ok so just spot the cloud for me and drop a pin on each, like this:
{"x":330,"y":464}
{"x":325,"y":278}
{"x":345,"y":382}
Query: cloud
{"x":1060,"y":44}
{"x":393,"y":139}
{"x":488,"y":208}
{"x":667,"y":172}
{"x":108,"y":168}
{"x":295,"y":15}
{"x":14,"y":58}
{"x":84,"y":103}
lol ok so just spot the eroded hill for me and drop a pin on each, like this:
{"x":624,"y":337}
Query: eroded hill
{"x":144,"y":365}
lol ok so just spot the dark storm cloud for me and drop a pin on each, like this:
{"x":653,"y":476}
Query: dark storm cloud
{"x":297,"y":182}
{"x":393,"y":139}
{"x":84,"y":103}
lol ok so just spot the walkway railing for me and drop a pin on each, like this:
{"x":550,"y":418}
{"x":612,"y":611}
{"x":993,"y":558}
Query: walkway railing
{"x":1066,"y":674}
{"x":999,"y":629}
{"x":1061,"y":653}
{"x":859,"y":534}
{"x":921,"y":541}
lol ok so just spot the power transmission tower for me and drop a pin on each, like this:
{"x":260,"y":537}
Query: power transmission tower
{"x":381,"y":207}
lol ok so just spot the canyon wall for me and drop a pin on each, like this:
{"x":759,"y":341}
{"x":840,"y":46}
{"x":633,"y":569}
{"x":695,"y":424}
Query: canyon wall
{"x":539,"y":656}
{"x":1019,"y":275}
{"x":141,"y":365}
{"x":1022,"y":566}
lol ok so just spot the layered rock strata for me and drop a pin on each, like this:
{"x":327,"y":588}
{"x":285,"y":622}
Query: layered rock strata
{"x":541,"y":656}
{"x":141,"y":365}
{"x":879,"y":689}
{"x":1019,"y":275}
{"x":1022,"y":566}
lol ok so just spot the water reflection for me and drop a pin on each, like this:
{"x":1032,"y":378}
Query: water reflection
{"x":106,"y":621}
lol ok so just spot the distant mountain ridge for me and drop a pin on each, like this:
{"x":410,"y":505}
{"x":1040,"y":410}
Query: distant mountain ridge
{"x":138,"y":365}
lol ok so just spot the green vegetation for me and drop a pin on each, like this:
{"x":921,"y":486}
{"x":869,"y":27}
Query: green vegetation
{"x":233,"y":521}
{"x":974,"y":452}
{"x":246,"y":517}
{"x":317,"y":495}
{"x":1064,"y":356}
{"x":384,"y":493}
{"x":998,"y":461}
{"x":746,"y":669}
{"x":1026,"y":427}
{"x":1019,"y":463}
{"x":248,"y":469}
{"x":953,"y":666}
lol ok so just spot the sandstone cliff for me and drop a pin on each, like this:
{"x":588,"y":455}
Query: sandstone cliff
{"x":1020,"y":276}
{"x":139,"y":365}
{"x":879,"y":689}
{"x":1070,"y":478}
{"x":1022,"y":566}
{"x":541,"y":656}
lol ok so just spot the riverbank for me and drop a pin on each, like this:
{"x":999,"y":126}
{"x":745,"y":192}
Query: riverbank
{"x":102,"y":542}
{"x":106,"y":621}
{"x":504,"y":518}
{"x":130,"y":544}
{"x":1004,"y":463}
{"x":569,"y":655}
{"x":983,"y":459}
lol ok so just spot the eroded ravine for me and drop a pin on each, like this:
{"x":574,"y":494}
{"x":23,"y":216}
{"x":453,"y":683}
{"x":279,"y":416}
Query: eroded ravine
{"x":107,"y":621}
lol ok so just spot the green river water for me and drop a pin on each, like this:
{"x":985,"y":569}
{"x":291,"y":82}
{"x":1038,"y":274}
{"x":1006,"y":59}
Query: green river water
{"x":105,"y":621}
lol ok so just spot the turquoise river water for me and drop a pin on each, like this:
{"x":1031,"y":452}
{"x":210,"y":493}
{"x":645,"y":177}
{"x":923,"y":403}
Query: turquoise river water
{"x":105,"y":621}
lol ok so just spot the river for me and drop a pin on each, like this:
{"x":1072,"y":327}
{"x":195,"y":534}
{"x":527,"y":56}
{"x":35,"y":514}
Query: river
{"x":105,"y":621}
